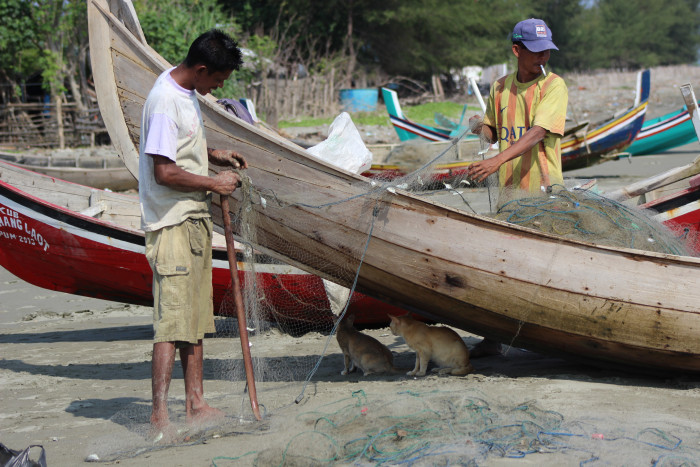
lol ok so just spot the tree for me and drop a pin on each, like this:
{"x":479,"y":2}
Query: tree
{"x":419,"y":38}
{"x":171,"y":26}
{"x":33,"y":37}
{"x":636,"y":33}
{"x":16,"y":32}
{"x":564,"y":18}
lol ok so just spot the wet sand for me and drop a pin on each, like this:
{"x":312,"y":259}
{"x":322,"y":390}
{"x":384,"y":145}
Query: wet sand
{"x":75,"y":378}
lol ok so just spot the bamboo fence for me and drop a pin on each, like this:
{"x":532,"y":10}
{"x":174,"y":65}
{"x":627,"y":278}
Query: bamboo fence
{"x":39,"y":125}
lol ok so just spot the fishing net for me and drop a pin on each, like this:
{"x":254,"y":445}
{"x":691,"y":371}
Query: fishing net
{"x":458,"y":428}
{"x":587,"y":216}
{"x":280,"y":300}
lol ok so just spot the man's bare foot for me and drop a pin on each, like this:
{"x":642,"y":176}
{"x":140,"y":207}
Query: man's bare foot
{"x":485,"y":348}
{"x":205,"y":416}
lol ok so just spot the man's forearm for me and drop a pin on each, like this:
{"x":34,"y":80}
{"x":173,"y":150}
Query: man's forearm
{"x":488,"y":133}
{"x":181,"y":180}
{"x":530,"y":139}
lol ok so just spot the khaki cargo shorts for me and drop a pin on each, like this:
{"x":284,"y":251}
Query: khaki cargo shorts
{"x":180,"y":257}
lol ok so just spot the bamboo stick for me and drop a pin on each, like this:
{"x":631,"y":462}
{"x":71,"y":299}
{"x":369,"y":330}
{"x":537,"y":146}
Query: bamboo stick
{"x":240,"y":309}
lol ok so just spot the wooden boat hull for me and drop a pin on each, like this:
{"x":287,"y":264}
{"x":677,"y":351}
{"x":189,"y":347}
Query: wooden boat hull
{"x":684,"y":217}
{"x":607,"y":139}
{"x":115,"y":177}
{"x":678,"y":207}
{"x":602,"y":305}
{"x":56,"y":248}
{"x":392,"y":161}
{"x":663,"y":133}
{"x":439,"y":173}
{"x":407,"y":129}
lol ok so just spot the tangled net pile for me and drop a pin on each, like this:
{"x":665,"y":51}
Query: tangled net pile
{"x":460,"y":428}
{"x":587,"y":216}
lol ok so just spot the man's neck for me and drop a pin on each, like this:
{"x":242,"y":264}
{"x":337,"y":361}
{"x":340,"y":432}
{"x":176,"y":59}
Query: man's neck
{"x":184,"y":76}
{"x":523,"y":77}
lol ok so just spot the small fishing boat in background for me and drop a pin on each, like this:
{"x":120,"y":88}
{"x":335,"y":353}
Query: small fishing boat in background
{"x":407,"y":129}
{"x":100,"y":171}
{"x":663,"y":133}
{"x":586,"y":145}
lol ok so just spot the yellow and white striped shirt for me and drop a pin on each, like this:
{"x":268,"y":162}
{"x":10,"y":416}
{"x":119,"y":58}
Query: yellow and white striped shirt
{"x":513,"y":109}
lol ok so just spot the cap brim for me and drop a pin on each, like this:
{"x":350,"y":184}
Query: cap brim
{"x":539,"y":45}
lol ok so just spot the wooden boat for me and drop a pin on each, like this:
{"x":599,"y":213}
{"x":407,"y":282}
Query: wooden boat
{"x":391,"y":161}
{"x":395,"y":160}
{"x":80,"y":240}
{"x":663,"y":133}
{"x":675,"y":194}
{"x":586,"y":145}
{"x":409,"y":130}
{"x":97,"y":172}
{"x":680,"y":211}
{"x":602,"y":305}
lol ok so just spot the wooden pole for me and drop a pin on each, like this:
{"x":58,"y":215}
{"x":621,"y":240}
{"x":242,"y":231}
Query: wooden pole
{"x":240,"y":309}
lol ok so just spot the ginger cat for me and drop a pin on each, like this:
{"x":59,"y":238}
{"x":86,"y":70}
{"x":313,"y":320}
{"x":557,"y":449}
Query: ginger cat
{"x":362,"y":351}
{"x":437,"y":343}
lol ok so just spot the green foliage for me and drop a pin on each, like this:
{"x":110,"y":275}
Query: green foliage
{"x":639,"y":33}
{"x":419,"y":38}
{"x":316,"y":28}
{"x":16,"y":37}
{"x":622,"y":33}
{"x":51,"y":66}
{"x":414,"y":38}
{"x":41,"y":37}
{"x":564,"y":18}
{"x":170,"y":27}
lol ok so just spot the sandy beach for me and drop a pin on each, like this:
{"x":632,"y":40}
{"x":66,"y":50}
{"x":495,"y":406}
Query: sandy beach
{"x":75,"y":379}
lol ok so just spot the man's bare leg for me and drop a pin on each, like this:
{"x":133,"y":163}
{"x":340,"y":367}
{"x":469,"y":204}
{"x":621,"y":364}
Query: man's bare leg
{"x":198,"y":411}
{"x":161,"y":375}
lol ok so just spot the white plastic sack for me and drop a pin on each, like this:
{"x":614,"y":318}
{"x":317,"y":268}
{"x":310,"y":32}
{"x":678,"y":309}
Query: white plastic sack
{"x":344,"y":147}
{"x":337,"y":296}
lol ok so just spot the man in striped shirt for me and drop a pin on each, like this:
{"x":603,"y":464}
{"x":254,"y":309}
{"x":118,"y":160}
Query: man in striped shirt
{"x":526,"y":114}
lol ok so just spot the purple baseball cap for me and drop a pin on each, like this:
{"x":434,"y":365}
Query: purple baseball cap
{"x":534,"y":34}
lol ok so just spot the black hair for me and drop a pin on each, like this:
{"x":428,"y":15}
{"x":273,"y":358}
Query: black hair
{"x":216,"y":50}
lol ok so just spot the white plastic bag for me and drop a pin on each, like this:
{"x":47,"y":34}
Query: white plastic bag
{"x":344,"y":147}
{"x":337,"y":296}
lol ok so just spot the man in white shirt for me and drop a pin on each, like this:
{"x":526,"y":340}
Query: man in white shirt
{"x":175,"y":197}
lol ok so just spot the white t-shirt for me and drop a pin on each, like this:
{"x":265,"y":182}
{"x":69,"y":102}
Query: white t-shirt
{"x":172,"y":127}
